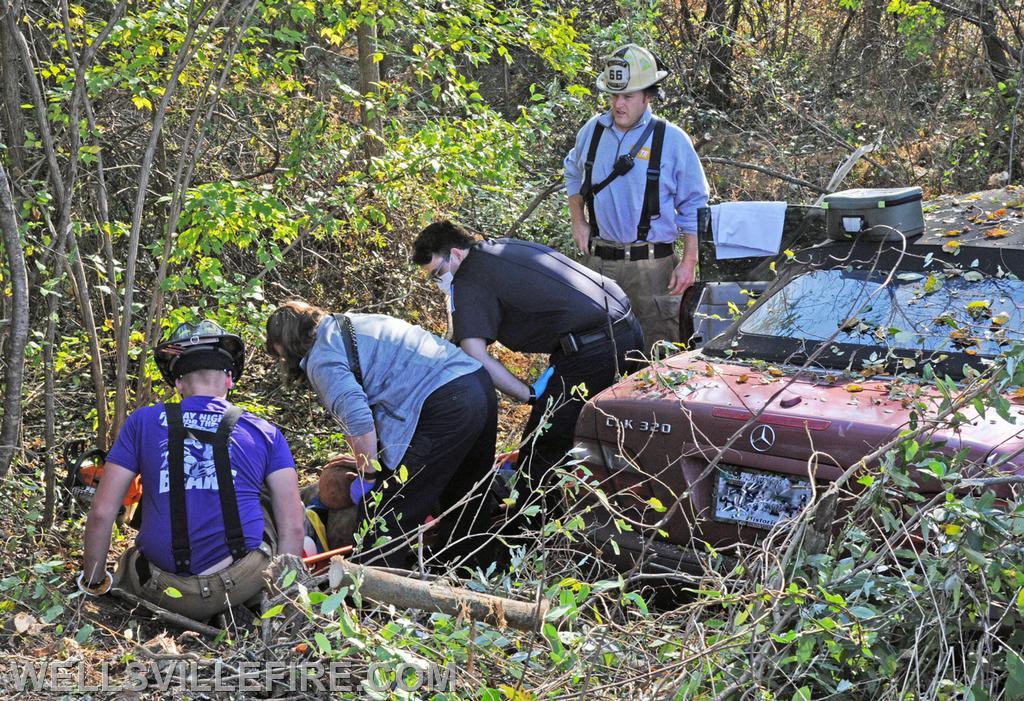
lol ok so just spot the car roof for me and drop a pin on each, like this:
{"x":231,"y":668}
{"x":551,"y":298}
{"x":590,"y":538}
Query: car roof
{"x":982,"y":231}
{"x":989,"y":219}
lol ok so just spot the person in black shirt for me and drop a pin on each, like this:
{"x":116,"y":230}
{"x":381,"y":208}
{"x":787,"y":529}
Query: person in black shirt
{"x":533,"y":299}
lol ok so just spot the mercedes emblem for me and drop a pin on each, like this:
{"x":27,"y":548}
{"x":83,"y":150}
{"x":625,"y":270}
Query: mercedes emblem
{"x":762,"y":438}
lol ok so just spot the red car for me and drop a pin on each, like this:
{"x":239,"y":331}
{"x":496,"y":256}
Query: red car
{"x":825,"y":365}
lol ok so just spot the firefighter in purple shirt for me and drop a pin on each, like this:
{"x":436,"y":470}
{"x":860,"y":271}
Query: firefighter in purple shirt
{"x":204,"y":465}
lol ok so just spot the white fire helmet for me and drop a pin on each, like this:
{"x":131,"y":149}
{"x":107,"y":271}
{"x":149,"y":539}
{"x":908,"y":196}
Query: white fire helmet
{"x":628,"y":69}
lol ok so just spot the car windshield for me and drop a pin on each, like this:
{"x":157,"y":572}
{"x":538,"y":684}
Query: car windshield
{"x":915,"y":311}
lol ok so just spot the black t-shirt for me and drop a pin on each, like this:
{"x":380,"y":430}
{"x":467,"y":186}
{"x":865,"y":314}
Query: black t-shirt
{"x":528,"y":296}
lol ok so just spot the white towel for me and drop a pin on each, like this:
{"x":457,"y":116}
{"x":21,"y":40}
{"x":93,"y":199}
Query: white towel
{"x":747,"y":229}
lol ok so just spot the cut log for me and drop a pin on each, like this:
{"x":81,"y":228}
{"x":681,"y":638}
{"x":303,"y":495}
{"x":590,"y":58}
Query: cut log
{"x":436,"y":597}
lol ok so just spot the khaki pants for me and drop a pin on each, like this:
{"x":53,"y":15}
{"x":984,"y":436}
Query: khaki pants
{"x":202,"y":596}
{"x":645,"y":282}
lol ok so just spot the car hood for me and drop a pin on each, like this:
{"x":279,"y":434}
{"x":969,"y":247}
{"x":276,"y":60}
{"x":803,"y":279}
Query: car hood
{"x":697,"y":404}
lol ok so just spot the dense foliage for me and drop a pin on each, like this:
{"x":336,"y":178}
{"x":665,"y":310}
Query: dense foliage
{"x":174,"y":159}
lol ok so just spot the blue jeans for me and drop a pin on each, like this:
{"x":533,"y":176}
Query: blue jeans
{"x":451,"y":450}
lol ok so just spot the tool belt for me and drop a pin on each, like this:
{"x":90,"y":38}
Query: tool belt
{"x":572,"y":343}
{"x":630,"y":251}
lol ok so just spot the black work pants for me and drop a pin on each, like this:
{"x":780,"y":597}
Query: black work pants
{"x":594,"y":366}
{"x":451,"y":450}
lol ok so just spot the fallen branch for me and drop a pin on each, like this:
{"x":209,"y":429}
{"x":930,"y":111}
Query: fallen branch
{"x":992,"y":481}
{"x":540,"y":197}
{"x":164,"y":615}
{"x":436,"y":597}
{"x":843,"y":170}
{"x":766,"y":171}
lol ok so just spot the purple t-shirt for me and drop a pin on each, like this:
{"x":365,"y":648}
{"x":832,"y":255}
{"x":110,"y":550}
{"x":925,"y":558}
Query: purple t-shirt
{"x":257,"y":448}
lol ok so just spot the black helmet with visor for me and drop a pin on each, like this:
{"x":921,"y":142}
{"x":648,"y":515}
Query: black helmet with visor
{"x":200,"y":346}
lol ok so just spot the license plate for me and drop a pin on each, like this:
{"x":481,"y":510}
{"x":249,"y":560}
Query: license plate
{"x":757,"y":498}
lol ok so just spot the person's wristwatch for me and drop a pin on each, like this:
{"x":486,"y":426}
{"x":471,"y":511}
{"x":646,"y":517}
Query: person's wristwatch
{"x":532,"y":399}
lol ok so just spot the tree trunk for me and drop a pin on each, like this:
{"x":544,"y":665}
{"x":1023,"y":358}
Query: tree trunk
{"x":871,"y":36}
{"x":49,"y":409}
{"x":720,"y":19}
{"x":95,"y":357}
{"x":369,"y":76}
{"x":15,"y":359}
{"x":13,"y":123}
{"x":996,"y":50}
{"x":199,"y":121}
{"x":185,"y":53}
{"x":78,"y":276}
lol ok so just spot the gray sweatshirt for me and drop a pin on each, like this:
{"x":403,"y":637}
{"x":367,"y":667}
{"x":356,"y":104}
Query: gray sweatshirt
{"x":401,"y":365}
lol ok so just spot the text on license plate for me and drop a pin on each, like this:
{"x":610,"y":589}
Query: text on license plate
{"x":756,"y":498}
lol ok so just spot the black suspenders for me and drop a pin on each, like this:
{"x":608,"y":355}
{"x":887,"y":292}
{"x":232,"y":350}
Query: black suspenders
{"x":176,"y":434}
{"x":348,"y":336}
{"x":652,"y":202}
{"x":587,"y":190}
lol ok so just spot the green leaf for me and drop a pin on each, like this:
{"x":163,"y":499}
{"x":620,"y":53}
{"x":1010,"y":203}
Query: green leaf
{"x":862,"y":612}
{"x":557,"y":612}
{"x":83,"y":633}
{"x":347,"y":625}
{"x":910,"y":449}
{"x":637,"y":600}
{"x":403,"y":474}
{"x":551,"y":635}
{"x":289,"y":577}
{"x":1014,"y":676}
{"x":273,"y":611}
{"x":802,"y":694}
{"x":656,"y":504}
{"x":333,"y":601}
{"x":172,"y":592}
{"x":323,"y":643}
{"x":804,"y":649}
{"x":975,"y":557}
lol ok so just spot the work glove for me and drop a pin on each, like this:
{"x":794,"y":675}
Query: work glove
{"x":538,"y":387}
{"x":283,"y":563}
{"x":359,"y":488}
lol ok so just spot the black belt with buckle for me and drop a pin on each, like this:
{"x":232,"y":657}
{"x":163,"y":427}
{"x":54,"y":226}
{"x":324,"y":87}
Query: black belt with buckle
{"x":574,"y":342}
{"x":635,"y":251}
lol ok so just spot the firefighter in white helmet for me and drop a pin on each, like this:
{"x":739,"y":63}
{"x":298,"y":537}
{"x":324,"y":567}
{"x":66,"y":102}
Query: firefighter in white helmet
{"x":635,"y":183}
